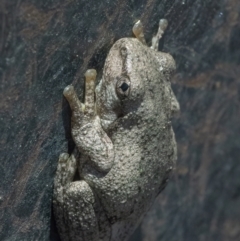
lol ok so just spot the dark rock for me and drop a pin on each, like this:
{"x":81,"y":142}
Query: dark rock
{"x":46,"y":45}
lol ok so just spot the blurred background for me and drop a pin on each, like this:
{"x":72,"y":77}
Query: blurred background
{"x":48,"y":44}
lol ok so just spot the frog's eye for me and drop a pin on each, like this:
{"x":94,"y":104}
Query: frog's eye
{"x":123,"y":86}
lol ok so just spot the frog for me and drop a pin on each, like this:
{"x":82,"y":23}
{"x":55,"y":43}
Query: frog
{"x":125,"y":144}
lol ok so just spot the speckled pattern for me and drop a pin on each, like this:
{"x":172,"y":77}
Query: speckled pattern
{"x":127,"y":145}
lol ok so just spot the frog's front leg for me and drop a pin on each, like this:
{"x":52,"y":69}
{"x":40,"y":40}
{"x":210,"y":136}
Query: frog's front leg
{"x":87,"y":132}
{"x":77,"y":211}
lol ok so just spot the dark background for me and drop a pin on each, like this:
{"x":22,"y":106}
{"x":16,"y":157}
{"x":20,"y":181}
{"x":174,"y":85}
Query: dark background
{"x":48,"y":44}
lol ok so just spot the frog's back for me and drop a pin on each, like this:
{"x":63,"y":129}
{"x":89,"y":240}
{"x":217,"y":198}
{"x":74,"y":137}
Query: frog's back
{"x":140,"y":137}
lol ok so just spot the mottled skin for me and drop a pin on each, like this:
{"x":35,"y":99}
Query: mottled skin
{"x":126,"y":142}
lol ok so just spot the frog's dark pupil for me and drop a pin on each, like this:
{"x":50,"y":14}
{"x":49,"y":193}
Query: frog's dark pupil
{"x":124,"y":87}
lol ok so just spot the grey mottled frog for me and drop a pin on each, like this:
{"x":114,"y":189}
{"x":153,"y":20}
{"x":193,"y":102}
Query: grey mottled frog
{"x":125,"y":145}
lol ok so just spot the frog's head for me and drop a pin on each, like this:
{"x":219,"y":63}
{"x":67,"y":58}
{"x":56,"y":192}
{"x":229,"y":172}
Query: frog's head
{"x":135,"y":82}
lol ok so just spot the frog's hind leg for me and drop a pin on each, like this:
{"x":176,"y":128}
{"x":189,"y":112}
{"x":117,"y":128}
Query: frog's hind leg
{"x":65,"y":172}
{"x":79,"y":212}
{"x":73,"y":203}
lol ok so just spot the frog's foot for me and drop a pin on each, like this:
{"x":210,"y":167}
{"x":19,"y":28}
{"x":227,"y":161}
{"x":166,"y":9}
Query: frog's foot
{"x":138,"y":32}
{"x":82,"y":113}
{"x":89,"y":105}
{"x":163,"y":23}
{"x":80,"y":217}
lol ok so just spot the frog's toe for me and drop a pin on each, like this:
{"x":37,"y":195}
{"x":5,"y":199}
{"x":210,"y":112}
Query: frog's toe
{"x":63,"y":157}
{"x":68,"y":91}
{"x":90,"y":74}
{"x":138,"y":32}
{"x":90,"y":78}
{"x":163,"y":23}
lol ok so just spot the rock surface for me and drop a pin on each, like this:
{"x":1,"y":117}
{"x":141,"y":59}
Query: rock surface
{"x":46,"y":45}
